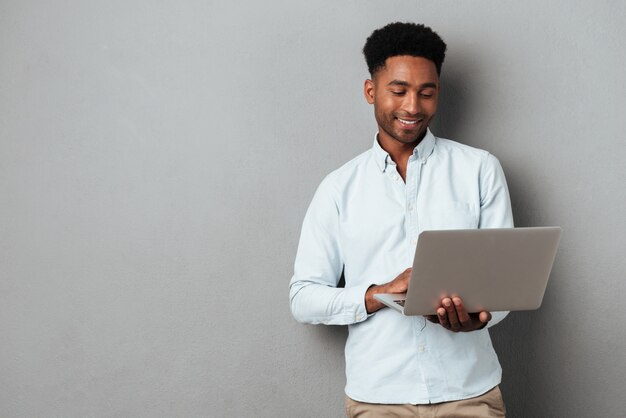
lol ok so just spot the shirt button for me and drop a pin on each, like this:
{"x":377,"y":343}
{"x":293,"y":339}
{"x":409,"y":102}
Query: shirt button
{"x":414,"y":241}
{"x":421,"y":348}
{"x":396,"y":178}
{"x":411,"y":208}
{"x":359,"y":317}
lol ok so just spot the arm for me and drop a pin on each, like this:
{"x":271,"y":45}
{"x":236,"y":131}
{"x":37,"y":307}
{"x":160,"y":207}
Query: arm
{"x":313,"y":294}
{"x":495,"y":207}
{"x":495,"y":212}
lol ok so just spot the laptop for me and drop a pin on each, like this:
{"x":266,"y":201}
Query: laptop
{"x":503,"y":269}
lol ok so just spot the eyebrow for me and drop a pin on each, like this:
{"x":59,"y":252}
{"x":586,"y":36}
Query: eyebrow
{"x":405,"y":84}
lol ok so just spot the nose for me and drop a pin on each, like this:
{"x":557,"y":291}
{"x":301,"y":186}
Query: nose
{"x":411,"y":104}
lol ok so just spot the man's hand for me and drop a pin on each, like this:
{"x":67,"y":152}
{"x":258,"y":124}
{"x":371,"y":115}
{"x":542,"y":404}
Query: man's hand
{"x":453,"y":316}
{"x":397,"y":285}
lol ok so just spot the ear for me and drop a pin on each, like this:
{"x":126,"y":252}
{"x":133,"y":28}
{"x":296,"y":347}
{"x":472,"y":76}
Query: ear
{"x":368,"y":90}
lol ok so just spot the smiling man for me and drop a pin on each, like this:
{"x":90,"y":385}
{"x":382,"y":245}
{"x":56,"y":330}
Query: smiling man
{"x":364,"y":222}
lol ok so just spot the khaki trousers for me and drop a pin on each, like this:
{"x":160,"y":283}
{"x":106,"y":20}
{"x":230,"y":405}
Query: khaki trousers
{"x":488,"y":405}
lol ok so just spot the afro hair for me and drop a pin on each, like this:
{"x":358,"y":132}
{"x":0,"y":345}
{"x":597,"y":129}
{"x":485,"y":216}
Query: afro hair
{"x":401,"y":38}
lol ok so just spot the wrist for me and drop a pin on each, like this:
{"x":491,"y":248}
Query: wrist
{"x":371,"y":304}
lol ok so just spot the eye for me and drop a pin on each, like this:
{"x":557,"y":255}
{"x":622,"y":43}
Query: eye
{"x":427,"y":94}
{"x":397,"y":92}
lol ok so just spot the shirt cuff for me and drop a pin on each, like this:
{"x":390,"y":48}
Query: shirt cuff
{"x":355,"y":297}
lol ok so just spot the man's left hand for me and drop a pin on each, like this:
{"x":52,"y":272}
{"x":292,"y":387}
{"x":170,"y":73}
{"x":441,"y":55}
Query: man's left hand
{"x":451,"y":315}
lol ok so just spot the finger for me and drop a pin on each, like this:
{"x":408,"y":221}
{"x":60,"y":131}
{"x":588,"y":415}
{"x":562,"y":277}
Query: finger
{"x":464,"y":317}
{"x":442,"y":317}
{"x":484,"y":317}
{"x":451,"y":313}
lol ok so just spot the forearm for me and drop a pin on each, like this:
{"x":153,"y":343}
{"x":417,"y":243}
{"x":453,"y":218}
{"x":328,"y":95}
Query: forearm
{"x":371,"y":304}
{"x":315,"y":303}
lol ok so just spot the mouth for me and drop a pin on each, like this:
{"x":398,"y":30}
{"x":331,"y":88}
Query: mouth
{"x":409,"y":123}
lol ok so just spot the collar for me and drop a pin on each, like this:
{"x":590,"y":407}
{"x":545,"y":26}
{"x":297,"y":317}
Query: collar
{"x":422,"y":151}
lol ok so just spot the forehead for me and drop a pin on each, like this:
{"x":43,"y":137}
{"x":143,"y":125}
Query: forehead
{"x":412,"y":70}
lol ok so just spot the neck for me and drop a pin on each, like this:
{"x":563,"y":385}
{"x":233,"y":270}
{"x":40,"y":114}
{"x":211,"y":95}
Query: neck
{"x":399,"y":152}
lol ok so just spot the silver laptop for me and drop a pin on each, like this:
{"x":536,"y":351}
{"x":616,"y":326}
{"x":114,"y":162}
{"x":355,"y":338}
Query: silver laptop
{"x":504,"y":269}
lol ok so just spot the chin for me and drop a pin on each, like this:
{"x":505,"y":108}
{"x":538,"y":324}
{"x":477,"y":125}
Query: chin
{"x":411,"y":139}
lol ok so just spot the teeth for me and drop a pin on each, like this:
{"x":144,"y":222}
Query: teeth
{"x":408,"y":122}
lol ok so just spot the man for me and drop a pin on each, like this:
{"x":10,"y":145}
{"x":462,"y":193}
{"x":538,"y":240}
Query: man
{"x":364,"y":221}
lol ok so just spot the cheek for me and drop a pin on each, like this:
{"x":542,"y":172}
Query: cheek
{"x":430,"y":107}
{"x":382,"y":110}
{"x":386,"y":106}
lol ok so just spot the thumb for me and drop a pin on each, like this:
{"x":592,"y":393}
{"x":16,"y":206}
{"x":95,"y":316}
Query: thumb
{"x":484,"y":317}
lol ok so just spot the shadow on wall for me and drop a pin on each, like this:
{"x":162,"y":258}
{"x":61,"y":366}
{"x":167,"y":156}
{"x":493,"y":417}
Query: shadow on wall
{"x":455,"y":101}
{"x":512,"y":339}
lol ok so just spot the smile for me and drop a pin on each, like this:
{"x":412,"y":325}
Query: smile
{"x":408,"y":122}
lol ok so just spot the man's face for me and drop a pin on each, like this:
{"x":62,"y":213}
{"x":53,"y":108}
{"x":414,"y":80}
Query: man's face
{"x":404,"y":94}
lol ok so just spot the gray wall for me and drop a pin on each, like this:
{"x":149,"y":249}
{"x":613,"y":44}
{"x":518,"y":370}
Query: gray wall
{"x":157,"y":158}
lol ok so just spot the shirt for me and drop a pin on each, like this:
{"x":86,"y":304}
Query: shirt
{"x":364,"y":221}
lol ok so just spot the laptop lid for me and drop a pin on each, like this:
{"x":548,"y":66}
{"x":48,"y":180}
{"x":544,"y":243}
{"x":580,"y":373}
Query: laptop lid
{"x":504,"y":269}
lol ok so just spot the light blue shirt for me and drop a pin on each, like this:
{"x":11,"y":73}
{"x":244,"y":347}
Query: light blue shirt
{"x":365,"y":221}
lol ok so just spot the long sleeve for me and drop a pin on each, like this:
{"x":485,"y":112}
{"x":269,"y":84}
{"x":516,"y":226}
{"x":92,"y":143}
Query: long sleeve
{"x":495,"y":207}
{"x":313,"y":293}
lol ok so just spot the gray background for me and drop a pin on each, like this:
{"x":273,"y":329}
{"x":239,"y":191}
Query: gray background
{"x":157,"y":158}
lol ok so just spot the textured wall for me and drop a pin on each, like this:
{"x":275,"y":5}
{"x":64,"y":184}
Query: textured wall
{"x":157,"y":158}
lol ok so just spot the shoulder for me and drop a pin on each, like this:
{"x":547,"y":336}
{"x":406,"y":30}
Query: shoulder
{"x":341,"y":177}
{"x":444,"y":145}
{"x":333,"y":188}
{"x":447,"y":148}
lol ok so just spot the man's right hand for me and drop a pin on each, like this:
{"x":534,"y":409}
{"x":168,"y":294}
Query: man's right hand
{"x":397,"y":285}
